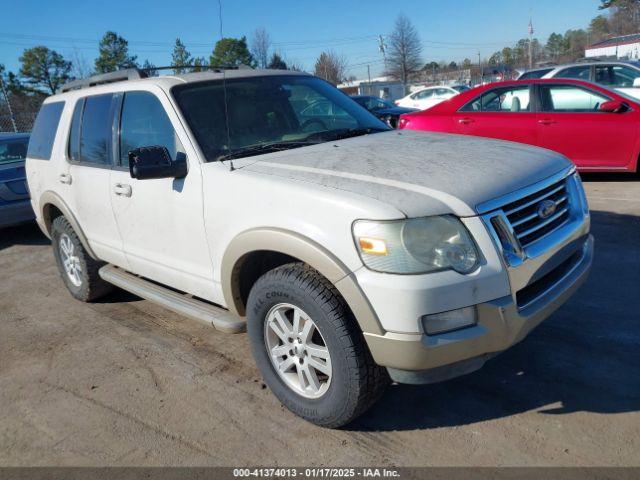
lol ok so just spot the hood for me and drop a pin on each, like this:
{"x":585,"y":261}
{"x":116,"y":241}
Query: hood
{"x":419,"y":173}
{"x":394,"y":111}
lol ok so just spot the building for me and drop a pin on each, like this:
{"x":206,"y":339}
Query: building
{"x":625,"y":47}
{"x":383,"y":87}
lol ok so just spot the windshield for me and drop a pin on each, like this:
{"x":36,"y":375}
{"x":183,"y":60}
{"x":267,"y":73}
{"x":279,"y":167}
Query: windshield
{"x":373,"y":103}
{"x":534,"y":74}
{"x":13,"y":150}
{"x":269,"y":113}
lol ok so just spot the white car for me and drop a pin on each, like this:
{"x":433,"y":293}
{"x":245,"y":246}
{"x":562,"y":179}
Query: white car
{"x":430,"y":96}
{"x":623,"y":76}
{"x":352,"y":253}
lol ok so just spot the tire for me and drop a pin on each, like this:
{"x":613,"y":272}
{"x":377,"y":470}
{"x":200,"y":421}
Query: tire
{"x":80,"y":275}
{"x":354,"y":382}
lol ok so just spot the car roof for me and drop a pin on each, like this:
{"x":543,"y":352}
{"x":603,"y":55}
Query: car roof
{"x":13,"y":135}
{"x":595,"y":62}
{"x":168,"y":81}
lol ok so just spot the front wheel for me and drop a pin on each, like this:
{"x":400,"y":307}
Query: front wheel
{"x":309,"y":348}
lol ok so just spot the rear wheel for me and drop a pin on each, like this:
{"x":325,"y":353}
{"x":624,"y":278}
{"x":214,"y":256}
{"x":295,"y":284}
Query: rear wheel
{"x":309,"y":348}
{"x":78,"y":270}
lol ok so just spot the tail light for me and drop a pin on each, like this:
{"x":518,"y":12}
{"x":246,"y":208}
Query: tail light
{"x":403,"y":122}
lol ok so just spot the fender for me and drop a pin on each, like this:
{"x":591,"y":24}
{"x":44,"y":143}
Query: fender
{"x":305,"y":250}
{"x":51,"y":198}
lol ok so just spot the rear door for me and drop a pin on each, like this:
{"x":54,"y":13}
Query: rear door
{"x":571,"y":123}
{"x":90,"y":159}
{"x":504,"y":113}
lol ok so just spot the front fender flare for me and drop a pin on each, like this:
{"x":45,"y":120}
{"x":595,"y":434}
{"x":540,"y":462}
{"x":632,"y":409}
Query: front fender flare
{"x":305,"y":250}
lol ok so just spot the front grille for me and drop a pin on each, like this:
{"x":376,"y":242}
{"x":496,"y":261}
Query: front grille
{"x":523,"y":215}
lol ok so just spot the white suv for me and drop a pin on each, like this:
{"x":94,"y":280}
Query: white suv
{"x":352,"y":253}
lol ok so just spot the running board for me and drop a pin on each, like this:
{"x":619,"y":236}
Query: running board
{"x":177,"y":302}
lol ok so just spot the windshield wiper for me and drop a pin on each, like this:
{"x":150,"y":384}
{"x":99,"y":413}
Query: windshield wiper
{"x":348,"y":133}
{"x":263,"y":148}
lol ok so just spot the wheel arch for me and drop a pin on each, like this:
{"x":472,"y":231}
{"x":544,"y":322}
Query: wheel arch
{"x":51,"y":206}
{"x":283,"y":246}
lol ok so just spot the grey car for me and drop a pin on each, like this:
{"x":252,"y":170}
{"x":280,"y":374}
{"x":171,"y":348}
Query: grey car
{"x":15,"y":206}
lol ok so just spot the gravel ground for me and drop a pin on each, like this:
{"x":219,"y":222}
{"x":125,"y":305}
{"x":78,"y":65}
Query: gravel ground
{"x":124,"y":382}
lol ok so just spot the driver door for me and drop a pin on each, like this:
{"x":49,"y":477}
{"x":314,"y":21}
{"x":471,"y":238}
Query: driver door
{"x":571,"y":123}
{"x":161,"y":220}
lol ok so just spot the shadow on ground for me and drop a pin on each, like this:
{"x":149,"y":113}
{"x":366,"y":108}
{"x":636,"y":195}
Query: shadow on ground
{"x":583,"y":358}
{"x":26,"y":234}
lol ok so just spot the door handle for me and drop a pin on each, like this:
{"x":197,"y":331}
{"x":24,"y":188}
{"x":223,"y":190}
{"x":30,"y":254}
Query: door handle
{"x":466,"y":121}
{"x":546,"y":121}
{"x":122,"y":189}
{"x":65,"y":178}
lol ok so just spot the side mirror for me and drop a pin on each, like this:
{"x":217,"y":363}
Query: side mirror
{"x":154,"y":162}
{"x":613,"y":106}
{"x":636,"y":82}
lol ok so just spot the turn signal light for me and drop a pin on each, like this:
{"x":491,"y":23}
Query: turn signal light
{"x":373,"y":246}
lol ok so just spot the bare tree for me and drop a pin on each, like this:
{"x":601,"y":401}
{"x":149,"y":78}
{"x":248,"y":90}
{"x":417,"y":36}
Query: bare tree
{"x":404,"y":50}
{"x":260,"y":46}
{"x":331,"y":66}
{"x":79,"y":65}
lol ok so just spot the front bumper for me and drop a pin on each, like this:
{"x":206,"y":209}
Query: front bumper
{"x":501,"y":324}
{"x":15,"y":213}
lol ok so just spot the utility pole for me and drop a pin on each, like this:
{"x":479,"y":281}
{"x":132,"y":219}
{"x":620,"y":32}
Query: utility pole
{"x":530,"y":43}
{"x":369,"y":76}
{"x":480,"y":69}
{"x":6,"y":98}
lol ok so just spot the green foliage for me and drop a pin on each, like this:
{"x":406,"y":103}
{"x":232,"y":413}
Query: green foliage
{"x":199,"y":64}
{"x":231,"y":52}
{"x":114,"y":54}
{"x":43,"y":68}
{"x":277,"y":62}
{"x":149,"y":67}
{"x":180,"y":56}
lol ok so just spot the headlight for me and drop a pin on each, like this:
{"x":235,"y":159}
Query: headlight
{"x":581,"y":193}
{"x":417,"y":245}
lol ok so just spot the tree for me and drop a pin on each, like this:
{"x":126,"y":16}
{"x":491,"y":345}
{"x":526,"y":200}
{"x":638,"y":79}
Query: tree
{"x":79,"y":65}
{"x":453,"y":66}
{"x":599,"y":28}
{"x":625,"y":15}
{"x":277,"y":62}
{"x":149,"y":68}
{"x":44,"y":68}
{"x":555,"y":46}
{"x":180,"y":56}
{"x":404,"y":50}
{"x":231,"y":52}
{"x":576,"y":41}
{"x":114,"y":54}
{"x":507,"y":56}
{"x":331,"y":66}
{"x":495,"y":59}
{"x":466,"y":63}
{"x":260,"y":45}
{"x":199,"y":64}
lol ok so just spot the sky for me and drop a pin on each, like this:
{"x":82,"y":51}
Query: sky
{"x":299,"y":29}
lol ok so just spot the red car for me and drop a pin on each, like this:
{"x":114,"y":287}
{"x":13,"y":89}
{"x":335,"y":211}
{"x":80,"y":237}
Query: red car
{"x":598,"y":129}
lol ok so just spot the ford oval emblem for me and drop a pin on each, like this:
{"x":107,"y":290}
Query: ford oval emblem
{"x":546,"y":208}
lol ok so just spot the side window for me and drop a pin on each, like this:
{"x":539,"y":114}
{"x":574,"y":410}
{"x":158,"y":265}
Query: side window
{"x":144,"y":123}
{"x":506,"y":99}
{"x":423,"y":95}
{"x":580,"y":73}
{"x":13,"y":150}
{"x":570,"y":99}
{"x":95,"y":132}
{"x":44,"y":131}
{"x":74,"y":135}
{"x":534,"y":74}
{"x":616,"y":75}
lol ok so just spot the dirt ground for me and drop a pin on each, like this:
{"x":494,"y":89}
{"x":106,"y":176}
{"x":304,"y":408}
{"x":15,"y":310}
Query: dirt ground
{"x":124,"y":382}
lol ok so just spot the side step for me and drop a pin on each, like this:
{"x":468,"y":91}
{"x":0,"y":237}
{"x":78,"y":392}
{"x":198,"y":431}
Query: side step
{"x":180,"y":303}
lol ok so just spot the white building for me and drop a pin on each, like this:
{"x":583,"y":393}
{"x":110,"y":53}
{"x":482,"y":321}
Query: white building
{"x":627,"y":47}
{"x":383,"y":87}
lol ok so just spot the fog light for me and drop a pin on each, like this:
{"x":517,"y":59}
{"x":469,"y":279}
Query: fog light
{"x":449,"y":321}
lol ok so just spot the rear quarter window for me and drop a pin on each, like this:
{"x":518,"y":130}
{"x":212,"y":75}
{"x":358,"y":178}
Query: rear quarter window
{"x":44,"y":131}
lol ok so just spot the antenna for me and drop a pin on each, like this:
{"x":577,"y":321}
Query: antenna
{"x":224,"y":90}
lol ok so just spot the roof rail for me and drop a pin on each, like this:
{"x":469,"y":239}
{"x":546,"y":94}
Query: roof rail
{"x":103,"y":78}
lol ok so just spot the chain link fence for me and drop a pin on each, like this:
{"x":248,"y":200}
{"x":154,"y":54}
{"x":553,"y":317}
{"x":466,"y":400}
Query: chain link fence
{"x":18,"y":111}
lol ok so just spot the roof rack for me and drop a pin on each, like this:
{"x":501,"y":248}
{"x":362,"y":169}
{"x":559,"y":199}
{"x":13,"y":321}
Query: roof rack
{"x":103,"y":78}
{"x":137,"y":74}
